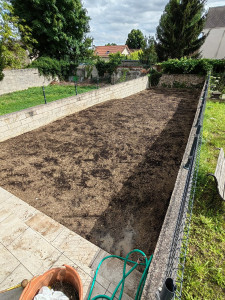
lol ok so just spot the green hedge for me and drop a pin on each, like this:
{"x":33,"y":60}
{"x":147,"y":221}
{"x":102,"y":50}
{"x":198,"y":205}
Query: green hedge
{"x":52,"y":67}
{"x":192,"y":66}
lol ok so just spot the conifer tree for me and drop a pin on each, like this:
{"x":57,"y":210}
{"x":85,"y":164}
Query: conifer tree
{"x":179,"y":29}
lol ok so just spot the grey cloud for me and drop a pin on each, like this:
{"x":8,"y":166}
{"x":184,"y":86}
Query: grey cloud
{"x":112,"y":20}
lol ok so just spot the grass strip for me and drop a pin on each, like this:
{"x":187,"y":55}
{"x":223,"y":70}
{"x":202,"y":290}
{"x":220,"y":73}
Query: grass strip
{"x":16,"y":101}
{"x":204,"y":275}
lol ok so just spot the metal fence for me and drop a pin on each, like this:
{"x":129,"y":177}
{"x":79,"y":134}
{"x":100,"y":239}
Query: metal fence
{"x":178,"y":252}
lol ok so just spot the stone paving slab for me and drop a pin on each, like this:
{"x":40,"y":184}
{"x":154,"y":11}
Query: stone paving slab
{"x":31,"y":243}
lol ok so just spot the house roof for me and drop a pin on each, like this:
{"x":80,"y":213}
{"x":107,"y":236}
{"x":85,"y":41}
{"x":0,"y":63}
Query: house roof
{"x":104,"y":51}
{"x":215,"y":17}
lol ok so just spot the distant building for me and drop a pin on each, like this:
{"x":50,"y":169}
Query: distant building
{"x":104,"y":51}
{"x":214,"y":45}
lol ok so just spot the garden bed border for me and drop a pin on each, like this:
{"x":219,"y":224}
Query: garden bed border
{"x":14,"y":124}
{"x":161,"y":257}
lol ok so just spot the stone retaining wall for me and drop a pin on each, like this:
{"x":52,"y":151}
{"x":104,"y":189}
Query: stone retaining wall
{"x":181,"y":80}
{"x":161,"y":257}
{"x":26,"y":120}
{"x":21,"y":79}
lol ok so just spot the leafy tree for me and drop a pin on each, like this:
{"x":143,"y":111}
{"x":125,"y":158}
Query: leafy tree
{"x":135,"y":39}
{"x":148,"y":55}
{"x":179,"y":29}
{"x":135,"y":55}
{"x":59,"y":26}
{"x":13,"y":46}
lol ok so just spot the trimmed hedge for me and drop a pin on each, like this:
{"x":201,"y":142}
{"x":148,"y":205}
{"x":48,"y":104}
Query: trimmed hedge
{"x":193,"y":66}
{"x":52,"y":67}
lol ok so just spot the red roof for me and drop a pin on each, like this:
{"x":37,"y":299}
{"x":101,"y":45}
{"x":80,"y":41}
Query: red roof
{"x":104,"y":51}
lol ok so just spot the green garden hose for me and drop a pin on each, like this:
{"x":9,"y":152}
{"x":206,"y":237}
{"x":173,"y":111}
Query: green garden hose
{"x":122,"y":281}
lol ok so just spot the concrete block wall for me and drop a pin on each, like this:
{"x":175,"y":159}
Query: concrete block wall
{"x":17,"y":123}
{"x":21,"y":79}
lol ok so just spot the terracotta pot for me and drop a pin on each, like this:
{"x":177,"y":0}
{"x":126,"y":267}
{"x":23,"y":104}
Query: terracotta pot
{"x":65,"y":273}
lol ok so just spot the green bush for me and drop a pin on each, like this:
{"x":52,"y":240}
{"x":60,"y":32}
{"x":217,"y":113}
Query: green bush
{"x":52,"y":67}
{"x":193,"y":66}
{"x":218,"y":65}
{"x":102,"y":67}
{"x":110,"y":66}
{"x":154,"y":77}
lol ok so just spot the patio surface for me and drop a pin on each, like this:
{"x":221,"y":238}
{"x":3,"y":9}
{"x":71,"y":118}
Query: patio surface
{"x":31,"y":243}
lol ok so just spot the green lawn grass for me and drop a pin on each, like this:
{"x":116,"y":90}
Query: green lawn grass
{"x":34,"y":96}
{"x":204,"y":275}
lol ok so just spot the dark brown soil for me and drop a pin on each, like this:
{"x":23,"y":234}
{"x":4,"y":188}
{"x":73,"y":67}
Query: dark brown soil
{"x":107,"y":172}
{"x":67,"y":288}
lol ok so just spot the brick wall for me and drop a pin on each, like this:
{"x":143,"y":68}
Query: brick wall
{"x":181,"y":80}
{"x":21,"y":79}
{"x":26,"y":120}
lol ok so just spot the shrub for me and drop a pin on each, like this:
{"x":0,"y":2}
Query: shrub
{"x":154,"y":77}
{"x":110,"y":66}
{"x":52,"y":67}
{"x":192,"y":66}
{"x":218,"y":65}
{"x":102,"y":67}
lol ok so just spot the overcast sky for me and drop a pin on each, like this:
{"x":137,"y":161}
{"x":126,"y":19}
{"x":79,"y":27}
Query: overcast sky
{"x":112,"y":20}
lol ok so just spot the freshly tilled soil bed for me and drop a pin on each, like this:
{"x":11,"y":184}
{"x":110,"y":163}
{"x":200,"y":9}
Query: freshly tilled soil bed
{"x":107,"y":172}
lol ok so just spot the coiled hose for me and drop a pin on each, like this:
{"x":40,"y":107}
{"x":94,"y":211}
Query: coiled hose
{"x":122,"y":281}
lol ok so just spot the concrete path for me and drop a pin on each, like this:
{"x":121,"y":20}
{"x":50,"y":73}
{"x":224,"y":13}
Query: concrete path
{"x":31,"y":243}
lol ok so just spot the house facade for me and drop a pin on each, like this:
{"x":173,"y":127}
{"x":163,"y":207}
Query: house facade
{"x":214,"y":45}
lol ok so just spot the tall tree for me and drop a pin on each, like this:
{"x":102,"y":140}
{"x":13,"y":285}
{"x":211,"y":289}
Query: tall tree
{"x":148,"y":54}
{"x":180,"y":26}
{"x":135,"y":39}
{"x":59,"y":26}
{"x":11,"y":31}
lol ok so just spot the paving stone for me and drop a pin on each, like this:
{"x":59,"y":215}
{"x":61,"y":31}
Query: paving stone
{"x":46,"y":226}
{"x":4,"y":195}
{"x":10,"y":229}
{"x":16,"y":277}
{"x":4,"y":213}
{"x":112,"y":269}
{"x":75,"y":247}
{"x":18,"y":207}
{"x":8,"y":263}
{"x":87,"y":287}
{"x":98,"y":290}
{"x":63,"y":260}
{"x":34,"y":252}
